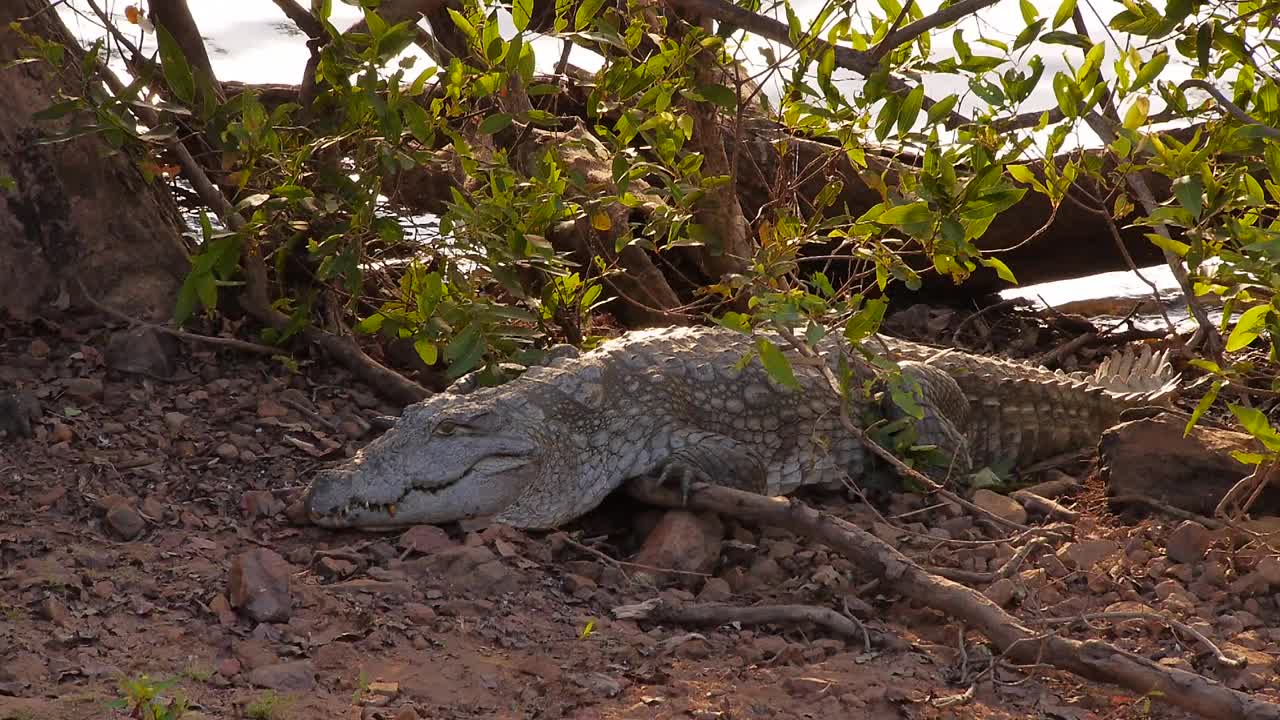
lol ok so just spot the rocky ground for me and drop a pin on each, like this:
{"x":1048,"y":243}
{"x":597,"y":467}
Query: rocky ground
{"x":145,"y":549}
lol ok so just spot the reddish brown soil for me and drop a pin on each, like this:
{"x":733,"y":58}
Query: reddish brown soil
{"x":478,"y":622}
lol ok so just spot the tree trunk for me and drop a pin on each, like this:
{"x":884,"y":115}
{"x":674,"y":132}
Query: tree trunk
{"x":73,"y":210}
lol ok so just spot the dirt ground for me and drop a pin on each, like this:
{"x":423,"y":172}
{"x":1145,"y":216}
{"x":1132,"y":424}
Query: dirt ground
{"x":472,"y":622}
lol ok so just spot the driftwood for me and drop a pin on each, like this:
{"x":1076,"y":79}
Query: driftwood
{"x":1092,"y":659}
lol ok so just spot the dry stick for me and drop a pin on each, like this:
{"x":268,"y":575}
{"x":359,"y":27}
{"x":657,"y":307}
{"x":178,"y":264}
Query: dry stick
{"x":720,"y":614}
{"x":235,"y":343}
{"x":1044,"y":505}
{"x":1066,"y":348}
{"x":1092,"y":659}
{"x":1219,"y":656}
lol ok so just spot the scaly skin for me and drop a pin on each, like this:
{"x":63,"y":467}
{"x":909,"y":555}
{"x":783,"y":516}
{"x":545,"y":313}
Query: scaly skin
{"x":548,"y":446}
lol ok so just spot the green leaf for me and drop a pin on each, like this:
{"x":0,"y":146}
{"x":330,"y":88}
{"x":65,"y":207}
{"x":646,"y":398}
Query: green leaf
{"x":495,"y":123}
{"x":426,"y":350}
{"x":587,"y":12}
{"x":1174,"y":246}
{"x":910,"y":214}
{"x":521,"y":13}
{"x":464,"y":25}
{"x":1201,"y":407}
{"x":1190,"y":193}
{"x":1255,"y":423}
{"x":723,"y":96}
{"x":775,"y":363}
{"x":866,"y":322}
{"x":1065,"y":10}
{"x":941,"y":109}
{"x":177,"y":72}
{"x":1001,"y":269}
{"x":905,"y":398}
{"x":1150,"y":70}
{"x":1248,"y":327}
{"x":371,"y":324}
{"x":1061,"y":37}
{"x":910,"y":109}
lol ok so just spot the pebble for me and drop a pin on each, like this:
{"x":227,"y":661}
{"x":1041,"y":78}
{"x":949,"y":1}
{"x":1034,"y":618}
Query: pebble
{"x":269,"y":408}
{"x":85,"y":388}
{"x":259,"y":585}
{"x":1188,"y":542}
{"x":1001,"y":506}
{"x":174,"y":421}
{"x":1085,"y":555}
{"x":419,"y":614}
{"x":1002,"y":592}
{"x":124,"y":521}
{"x":61,"y":433}
{"x":227,"y":451}
{"x":297,"y":676}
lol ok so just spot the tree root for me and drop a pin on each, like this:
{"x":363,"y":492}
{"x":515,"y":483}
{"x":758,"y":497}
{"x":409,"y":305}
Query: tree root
{"x":1092,"y":659}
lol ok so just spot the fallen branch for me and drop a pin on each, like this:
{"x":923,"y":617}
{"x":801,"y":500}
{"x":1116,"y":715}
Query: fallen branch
{"x":1092,"y":659}
{"x":721,"y":614}
{"x":233,"y":343}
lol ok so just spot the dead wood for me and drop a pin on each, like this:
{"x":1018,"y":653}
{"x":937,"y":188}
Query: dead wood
{"x":720,"y":614}
{"x":1092,"y":659}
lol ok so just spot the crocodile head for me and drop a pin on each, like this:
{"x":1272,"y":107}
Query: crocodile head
{"x":446,"y":459}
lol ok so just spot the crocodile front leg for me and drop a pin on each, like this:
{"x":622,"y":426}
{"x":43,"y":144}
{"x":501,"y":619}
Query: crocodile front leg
{"x":713,"y":459}
{"x":946,"y":411}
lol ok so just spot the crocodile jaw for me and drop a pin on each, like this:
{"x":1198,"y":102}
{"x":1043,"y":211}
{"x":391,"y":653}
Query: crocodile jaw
{"x":342,"y":498}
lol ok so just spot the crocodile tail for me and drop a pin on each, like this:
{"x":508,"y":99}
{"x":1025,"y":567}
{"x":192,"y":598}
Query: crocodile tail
{"x":1144,"y":375}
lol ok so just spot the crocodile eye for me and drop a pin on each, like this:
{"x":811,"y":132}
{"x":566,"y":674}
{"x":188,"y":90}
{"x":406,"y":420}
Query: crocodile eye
{"x":446,"y":428}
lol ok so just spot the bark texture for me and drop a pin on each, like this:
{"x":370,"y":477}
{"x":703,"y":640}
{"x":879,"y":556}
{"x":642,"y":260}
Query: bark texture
{"x":74,"y":209}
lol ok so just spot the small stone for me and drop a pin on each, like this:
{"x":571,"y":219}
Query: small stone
{"x":174,"y":421}
{"x":1188,"y":542}
{"x":579,"y":586}
{"x":256,"y":504}
{"x":406,"y":712}
{"x":228,"y":667}
{"x":1001,"y":506}
{"x":227,"y":451}
{"x":49,"y":497}
{"x":293,"y":676}
{"x":1085,"y":555}
{"x":807,"y":686}
{"x":153,"y":509}
{"x":104,"y":589}
{"x":85,"y":388}
{"x":268,"y":408}
{"x":1002,"y":592}
{"x":425,"y":539}
{"x":715,"y":590}
{"x":419,"y":614}
{"x":221,"y":607}
{"x":61,"y":433}
{"x":55,"y":611}
{"x":142,"y":350}
{"x":1269,"y":569}
{"x":683,"y":540}
{"x":124,"y":521}
{"x":259,"y":585}
{"x":39,"y":349}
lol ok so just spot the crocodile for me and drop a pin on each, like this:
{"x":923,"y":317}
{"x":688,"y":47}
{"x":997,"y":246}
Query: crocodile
{"x":550,"y":445}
